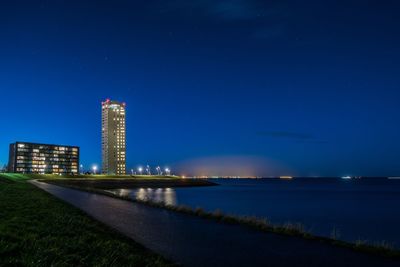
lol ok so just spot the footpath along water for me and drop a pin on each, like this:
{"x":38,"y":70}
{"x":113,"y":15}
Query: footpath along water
{"x":194,"y":241}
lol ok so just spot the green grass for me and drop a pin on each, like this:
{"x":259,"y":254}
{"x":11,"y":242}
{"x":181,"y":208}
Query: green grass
{"x":39,"y":230}
{"x":14,"y":176}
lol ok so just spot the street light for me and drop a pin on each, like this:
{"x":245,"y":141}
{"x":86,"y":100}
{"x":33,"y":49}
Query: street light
{"x":159,"y":172}
{"x":148,"y":170}
{"x":94,"y":169}
{"x":167,"y":171}
{"x":140,"y":169}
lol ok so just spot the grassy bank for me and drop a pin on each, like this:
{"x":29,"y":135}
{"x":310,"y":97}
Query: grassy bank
{"x":110,"y":181}
{"x":15,"y":176}
{"x":291,"y":229}
{"x":39,"y":230}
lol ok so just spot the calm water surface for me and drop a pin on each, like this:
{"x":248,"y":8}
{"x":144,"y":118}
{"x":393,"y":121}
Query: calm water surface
{"x":366,"y":209}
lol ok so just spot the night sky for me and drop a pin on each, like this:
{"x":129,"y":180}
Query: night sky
{"x":241,"y":87}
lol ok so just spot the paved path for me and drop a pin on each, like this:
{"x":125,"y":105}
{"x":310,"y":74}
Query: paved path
{"x":193,"y":241}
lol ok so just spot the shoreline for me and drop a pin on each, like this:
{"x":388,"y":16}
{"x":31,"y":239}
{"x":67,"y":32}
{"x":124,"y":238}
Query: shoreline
{"x":260,"y":224}
{"x":180,"y":237}
{"x":129,"y":183}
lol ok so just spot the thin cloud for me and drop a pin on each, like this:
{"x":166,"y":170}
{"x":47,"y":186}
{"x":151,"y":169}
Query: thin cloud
{"x":234,"y":10}
{"x":229,"y":10}
{"x":287,"y":135}
{"x":265,"y":20}
{"x":304,"y":138}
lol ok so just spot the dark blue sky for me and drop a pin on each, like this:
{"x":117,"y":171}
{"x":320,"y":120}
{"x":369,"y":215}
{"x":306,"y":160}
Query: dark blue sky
{"x":212,"y":87}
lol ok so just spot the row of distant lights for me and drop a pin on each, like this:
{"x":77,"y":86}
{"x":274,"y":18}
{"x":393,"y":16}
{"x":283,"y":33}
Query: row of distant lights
{"x":158,"y":169}
{"x":139,"y":169}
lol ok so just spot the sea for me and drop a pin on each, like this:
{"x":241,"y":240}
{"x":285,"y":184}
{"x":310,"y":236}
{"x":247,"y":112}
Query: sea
{"x":366,"y":209}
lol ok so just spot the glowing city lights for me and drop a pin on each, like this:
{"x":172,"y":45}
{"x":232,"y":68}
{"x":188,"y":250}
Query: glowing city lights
{"x":94,"y":168}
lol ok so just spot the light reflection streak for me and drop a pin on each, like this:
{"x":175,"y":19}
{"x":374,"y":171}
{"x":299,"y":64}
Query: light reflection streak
{"x":159,"y":195}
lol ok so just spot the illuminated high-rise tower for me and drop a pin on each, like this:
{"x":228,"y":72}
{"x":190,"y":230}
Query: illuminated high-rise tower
{"x":113,"y":138}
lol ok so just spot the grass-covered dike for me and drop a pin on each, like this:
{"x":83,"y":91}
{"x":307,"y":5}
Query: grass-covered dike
{"x":37,"y":229}
{"x":111,"y":181}
{"x":21,"y":176}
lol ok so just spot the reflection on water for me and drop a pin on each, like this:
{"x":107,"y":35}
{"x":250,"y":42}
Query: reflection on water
{"x":161,"y":195}
{"x":360,"y":209}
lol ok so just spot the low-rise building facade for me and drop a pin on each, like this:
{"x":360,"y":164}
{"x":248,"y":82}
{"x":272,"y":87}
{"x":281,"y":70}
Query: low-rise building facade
{"x":27,"y":157}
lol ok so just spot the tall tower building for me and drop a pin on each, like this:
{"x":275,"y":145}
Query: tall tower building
{"x":113,"y":138}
